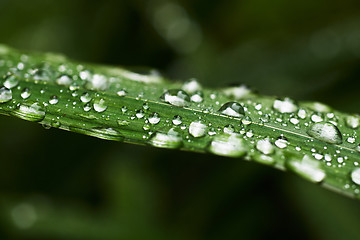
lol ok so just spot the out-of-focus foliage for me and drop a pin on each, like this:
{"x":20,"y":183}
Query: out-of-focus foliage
{"x":103,"y":190}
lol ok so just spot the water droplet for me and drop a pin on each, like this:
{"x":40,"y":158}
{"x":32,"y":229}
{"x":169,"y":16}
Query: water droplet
{"x":285,"y":106}
{"x":237,"y":92}
{"x":326,"y":132}
{"x":53,"y":100}
{"x":97,"y":82}
{"x":316,"y":118}
{"x":232,"y":109}
{"x":350,"y":140}
{"x":42,"y":72}
{"x":191,"y":86}
{"x":100,"y":132}
{"x":229,"y":129}
{"x":85,"y":97}
{"x":25,"y":93}
{"x":265,"y":146}
{"x":121,"y":93}
{"x":31,"y":111}
{"x":355,"y":176}
{"x":177,"y":120}
{"x":146,"y":106}
{"x":176,"y":97}
{"x":281,"y":142}
{"x":122,"y":123}
{"x":319,"y":107}
{"x":302,"y":113}
{"x":294,"y":121}
{"x":154,"y":118}
{"x":5,"y":95}
{"x":197,"y":129}
{"x":306,"y":167}
{"x":99,"y":105}
{"x":87,"y":107}
{"x":197,"y":97}
{"x":11,"y":81}
{"x":140,"y":114}
{"x":166,"y":140}
{"x":64,"y":80}
{"x":230,"y":145}
{"x":353,"y":121}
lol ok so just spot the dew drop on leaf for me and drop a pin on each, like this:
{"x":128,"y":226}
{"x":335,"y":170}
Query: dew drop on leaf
{"x":53,"y":100}
{"x":11,"y":81}
{"x":285,"y":106}
{"x":171,"y":140}
{"x":64,"y":80}
{"x":197,"y":97}
{"x":176,"y":97}
{"x":306,"y":167}
{"x":326,"y":132}
{"x":154,"y":118}
{"x":197,"y":129}
{"x":140,"y":114}
{"x":231,"y":145}
{"x":5,"y":95}
{"x":31,"y":111}
{"x":233,"y":109}
{"x":25,"y":93}
{"x":85,"y":97}
{"x":99,"y":105}
{"x":265,"y":146}
{"x":281,"y":142}
{"x":191,"y":86}
{"x":355,"y":176}
{"x":177,"y":120}
{"x":352,"y":121}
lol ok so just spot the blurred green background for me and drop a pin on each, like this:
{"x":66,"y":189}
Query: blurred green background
{"x":62,"y":185}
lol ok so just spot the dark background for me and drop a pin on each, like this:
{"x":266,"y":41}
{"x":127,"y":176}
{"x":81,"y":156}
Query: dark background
{"x":61,"y":185}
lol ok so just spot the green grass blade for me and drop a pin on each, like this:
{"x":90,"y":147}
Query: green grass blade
{"x":307,"y":138}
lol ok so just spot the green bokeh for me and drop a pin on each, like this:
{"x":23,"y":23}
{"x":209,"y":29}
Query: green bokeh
{"x":61,"y":185}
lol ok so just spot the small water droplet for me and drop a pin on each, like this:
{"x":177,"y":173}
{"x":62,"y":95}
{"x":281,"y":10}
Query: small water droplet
{"x":281,"y":142}
{"x":285,"y":106}
{"x":121,"y":93}
{"x":99,"y":105}
{"x":265,"y":146}
{"x":237,"y":92}
{"x":25,"y":93}
{"x":306,"y":167}
{"x":192,"y":85}
{"x":316,"y":118}
{"x":5,"y":95}
{"x":232,"y":109}
{"x":171,"y":140}
{"x":326,"y":132}
{"x":352,"y":121}
{"x":177,"y":120}
{"x":31,"y":111}
{"x":53,"y":100}
{"x":350,"y":140}
{"x":122,"y":123}
{"x":302,"y":113}
{"x":140,"y":114}
{"x":11,"y":81}
{"x":197,"y":97}
{"x":154,"y":118}
{"x":64,"y":80}
{"x":197,"y":129}
{"x":230,"y":145}
{"x":85,"y":97}
{"x":87,"y":107}
{"x":176,"y":97}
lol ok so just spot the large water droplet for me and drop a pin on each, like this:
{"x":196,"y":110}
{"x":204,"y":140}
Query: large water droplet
{"x":306,"y":167}
{"x":285,"y":106}
{"x":5,"y":95}
{"x":232,"y":109}
{"x":231,"y":145}
{"x":11,"y":81}
{"x":31,"y":111}
{"x":85,"y":97}
{"x":326,"y":132}
{"x":177,"y":120}
{"x":99,"y":105}
{"x":176,"y":97}
{"x":197,"y":129}
{"x":171,"y":139}
{"x":140,"y":114}
{"x":355,"y":176}
{"x":100,"y":132}
{"x":281,"y":142}
{"x":154,"y":118}
{"x":265,"y":146}
{"x":197,"y":97}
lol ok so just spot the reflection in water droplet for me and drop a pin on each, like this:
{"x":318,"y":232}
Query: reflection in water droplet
{"x":177,"y":120}
{"x":197,"y":129}
{"x":53,"y":100}
{"x":166,"y":140}
{"x":232,"y":109}
{"x":11,"y":81}
{"x":99,"y":105}
{"x":85,"y":97}
{"x":355,"y":176}
{"x":231,"y":145}
{"x":326,"y":132}
{"x":154,"y":118}
{"x":31,"y":111}
{"x":306,"y":167}
{"x":285,"y":106}
{"x":265,"y":146}
{"x":176,"y":97}
{"x":5,"y":95}
{"x":25,"y":93}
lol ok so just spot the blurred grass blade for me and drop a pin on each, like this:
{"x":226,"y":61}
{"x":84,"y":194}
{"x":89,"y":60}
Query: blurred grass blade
{"x":309,"y":139}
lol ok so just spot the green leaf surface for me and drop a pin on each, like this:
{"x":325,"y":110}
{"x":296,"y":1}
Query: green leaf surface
{"x":308,"y":138}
